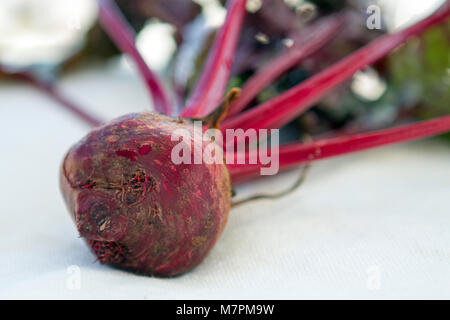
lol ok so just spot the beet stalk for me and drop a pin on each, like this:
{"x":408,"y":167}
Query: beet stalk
{"x":123,"y":35}
{"x":296,"y":154}
{"x":315,"y":37}
{"x":211,"y":87}
{"x":286,"y":107}
{"x":51,"y":91}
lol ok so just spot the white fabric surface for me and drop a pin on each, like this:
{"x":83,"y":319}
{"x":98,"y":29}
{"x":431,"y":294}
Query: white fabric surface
{"x":371,"y":225}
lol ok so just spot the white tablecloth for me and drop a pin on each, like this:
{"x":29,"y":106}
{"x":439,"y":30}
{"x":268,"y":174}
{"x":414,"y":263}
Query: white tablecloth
{"x":371,"y":225}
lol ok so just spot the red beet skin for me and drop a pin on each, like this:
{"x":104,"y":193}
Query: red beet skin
{"x":135,"y":208}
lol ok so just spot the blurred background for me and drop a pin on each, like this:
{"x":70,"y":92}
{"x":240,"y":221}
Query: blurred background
{"x":387,"y":208}
{"x":51,"y":39}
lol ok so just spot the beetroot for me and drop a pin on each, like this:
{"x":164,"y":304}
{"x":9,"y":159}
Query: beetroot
{"x":134,"y":207}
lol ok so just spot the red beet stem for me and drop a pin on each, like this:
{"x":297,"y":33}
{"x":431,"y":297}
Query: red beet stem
{"x":123,"y":35}
{"x":295,"y":154}
{"x":50,"y":90}
{"x":312,"y":39}
{"x":211,"y":87}
{"x":284,"y":108}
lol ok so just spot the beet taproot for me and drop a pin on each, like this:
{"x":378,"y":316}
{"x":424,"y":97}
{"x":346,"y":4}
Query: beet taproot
{"x":135,"y":208}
